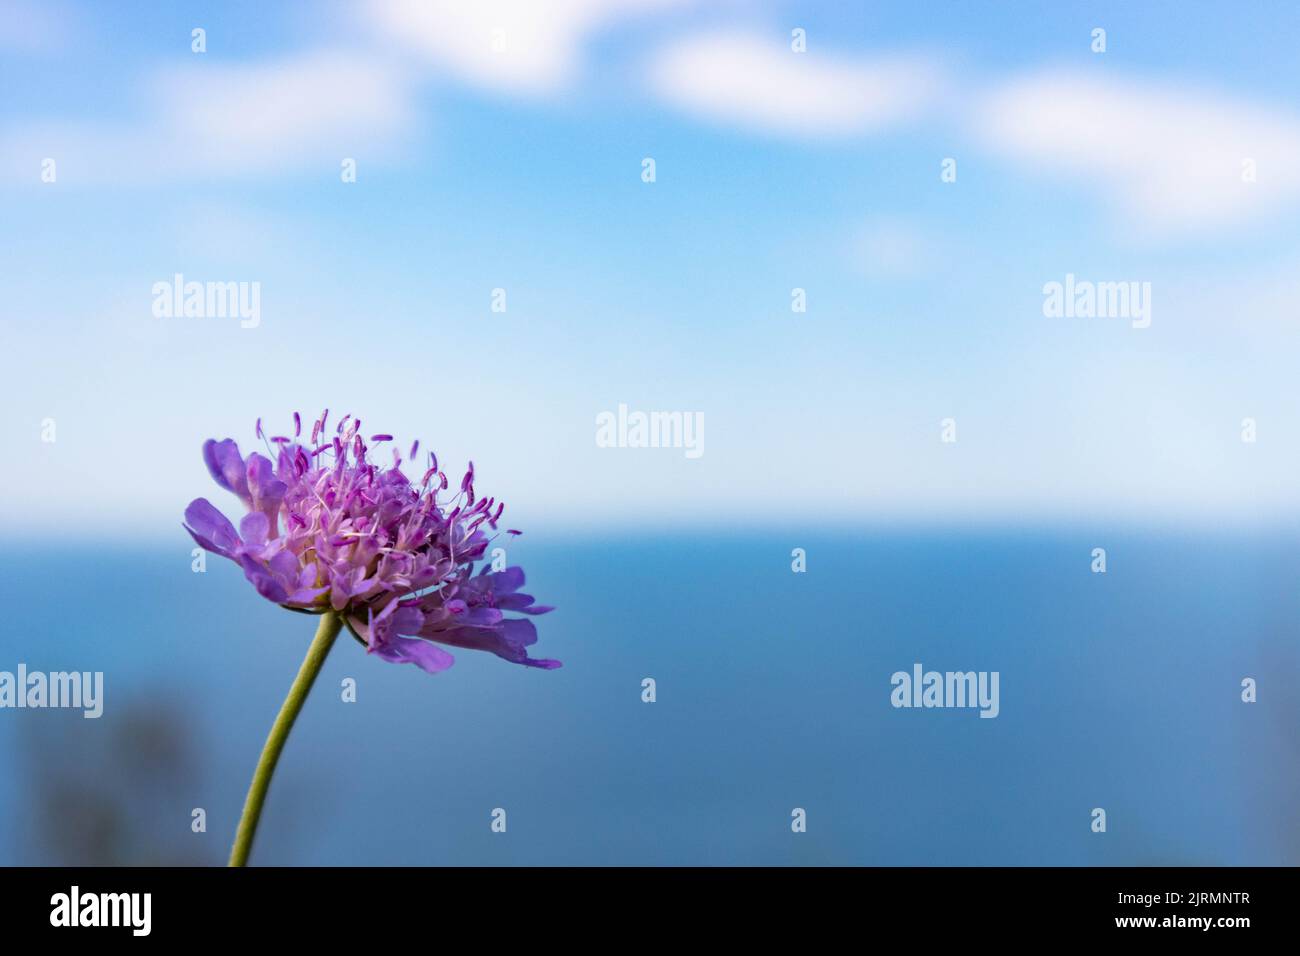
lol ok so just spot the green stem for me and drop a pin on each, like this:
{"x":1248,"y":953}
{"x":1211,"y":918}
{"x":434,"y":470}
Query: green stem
{"x":330,"y":624}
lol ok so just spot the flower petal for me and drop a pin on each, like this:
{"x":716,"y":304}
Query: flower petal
{"x":266,"y":492}
{"x":263,"y":580}
{"x":304,"y":597}
{"x":407,"y":650}
{"x":481,"y":617}
{"x":507,"y":640}
{"x":226,"y":466}
{"x":284,"y":565}
{"x":210,"y":528}
{"x":253,"y":528}
{"x":504,"y":582}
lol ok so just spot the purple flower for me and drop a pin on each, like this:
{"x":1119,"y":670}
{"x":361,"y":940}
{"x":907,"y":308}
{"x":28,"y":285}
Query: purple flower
{"x":326,"y":529}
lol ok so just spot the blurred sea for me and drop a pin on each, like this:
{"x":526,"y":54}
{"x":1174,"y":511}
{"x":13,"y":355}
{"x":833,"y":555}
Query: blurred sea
{"x":1119,"y":691}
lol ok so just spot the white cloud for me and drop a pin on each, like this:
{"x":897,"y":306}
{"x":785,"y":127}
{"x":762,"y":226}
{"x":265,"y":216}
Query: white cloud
{"x":762,"y":85}
{"x":515,"y":46}
{"x":892,"y":248}
{"x":219,"y":120}
{"x":285,"y":111}
{"x":1170,"y":156}
{"x":1250,"y":308}
{"x":27,"y":26}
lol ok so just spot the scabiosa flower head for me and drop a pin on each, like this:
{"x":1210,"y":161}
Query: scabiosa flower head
{"x":328,"y":529}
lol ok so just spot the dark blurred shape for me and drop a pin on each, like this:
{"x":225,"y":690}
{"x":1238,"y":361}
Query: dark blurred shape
{"x":114,"y":791}
{"x":1284,"y":678}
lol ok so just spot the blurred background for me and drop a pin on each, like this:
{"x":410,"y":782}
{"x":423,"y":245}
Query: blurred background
{"x":500,"y":155}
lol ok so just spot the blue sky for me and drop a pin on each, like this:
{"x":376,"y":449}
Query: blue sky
{"x":520,"y":168}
